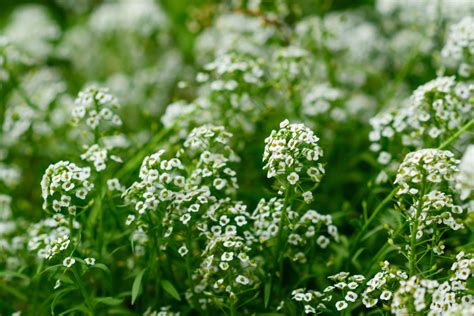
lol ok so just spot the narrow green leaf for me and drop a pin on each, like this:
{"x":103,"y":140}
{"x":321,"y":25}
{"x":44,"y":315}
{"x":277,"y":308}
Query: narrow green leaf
{"x":111,"y":301}
{"x":168,"y":287}
{"x":137,"y":285}
{"x":267,"y":291}
{"x":58,"y":295}
{"x":80,"y":307}
{"x":100,"y":266}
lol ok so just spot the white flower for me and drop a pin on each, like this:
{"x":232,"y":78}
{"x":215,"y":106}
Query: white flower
{"x":293,"y":178}
{"x":340,"y":305}
{"x":183,"y":250}
{"x":89,"y":261}
{"x":242,"y":280}
{"x":227,"y":256}
{"x":308,"y":197}
{"x":351,"y":296}
{"x":323,"y":241}
{"x":69,"y":261}
{"x":386,"y":295}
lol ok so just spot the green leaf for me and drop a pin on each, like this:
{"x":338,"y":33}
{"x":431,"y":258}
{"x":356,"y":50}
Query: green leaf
{"x":100,"y":266}
{"x":111,"y":301}
{"x":58,"y":295}
{"x":80,"y":307}
{"x":168,"y":287}
{"x":137,"y":285}
{"x":267,"y":291}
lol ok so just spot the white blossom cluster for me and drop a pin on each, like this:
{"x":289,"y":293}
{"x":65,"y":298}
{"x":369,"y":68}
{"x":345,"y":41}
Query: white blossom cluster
{"x":230,"y":87}
{"x":31,"y":34}
{"x":50,"y":237}
{"x":434,"y":112}
{"x":65,"y":187}
{"x":191,"y":186}
{"x":323,"y":99}
{"x":432,"y":166}
{"x":291,"y":156}
{"x":458,"y":53}
{"x":235,"y":31}
{"x":9,"y":175}
{"x":308,"y":229}
{"x":226,"y":268}
{"x":465,"y":177}
{"x":433,"y":297}
{"x":379,"y":289}
{"x":340,"y":295}
{"x":420,"y":178}
{"x":96,"y":107}
{"x":98,"y":156}
{"x":45,"y":88}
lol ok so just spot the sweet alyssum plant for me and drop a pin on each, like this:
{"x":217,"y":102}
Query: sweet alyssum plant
{"x":246,"y":158}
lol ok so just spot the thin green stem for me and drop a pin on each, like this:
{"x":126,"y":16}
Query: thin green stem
{"x":456,"y":135}
{"x":414,"y":229}
{"x":83,"y":290}
{"x":137,"y":159}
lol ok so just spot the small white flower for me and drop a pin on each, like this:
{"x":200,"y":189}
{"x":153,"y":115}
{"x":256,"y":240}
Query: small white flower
{"x":89,"y":261}
{"x":308,"y":197}
{"x":351,"y":296}
{"x":69,"y":261}
{"x":340,"y":305}
{"x":293,"y":178}
{"x":183,"y":250}
{"x":227,"y":256}
{"x":242,"y":280}
{"x":386,"y":295}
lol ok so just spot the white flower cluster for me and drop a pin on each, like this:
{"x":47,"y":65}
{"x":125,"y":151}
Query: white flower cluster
{"x":98,"y":156}
{"x":44,"y":87}
{"x":236,"y":31}
{"x":65,"y":186}
{"x":458,"y":53}
{"x":308,"y":229}
{"x":96,"y":106}
{"x":226,"y":269}
{"x":50,"y":236}
{"x":9,"y":175}
{"x":380,"y":287}
{"x":432,"y":166}
{"x":433,"y":297}
{"x":290,"y":64}
{"x":323,"y":100}
{"x":290,"y":156}
{"x":419,"y":177}
{"x":433,"y":113}
{"x":465,"y":177}
{"x":33,"y":32}
{"x":187,"y":186}
{"x":164,"y":311}
{"x":340,"y":295}
{"x":231,"y":87}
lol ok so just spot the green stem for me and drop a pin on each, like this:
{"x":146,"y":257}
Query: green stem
{"x":372,"y":217}
{"x":137,"y":159}
{"x":83,"y":291}
{"x":457,"y":134}
{"x":414,"y":229}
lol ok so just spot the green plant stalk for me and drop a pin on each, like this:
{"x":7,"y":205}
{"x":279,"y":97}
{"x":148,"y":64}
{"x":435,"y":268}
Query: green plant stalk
{"x":279,"y":251}
{"x":155,"y":252}
{"x":83,"y":291}
{"x":413,"y":230}
{"x":456,"y":135}
{"x":137,"y":159}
